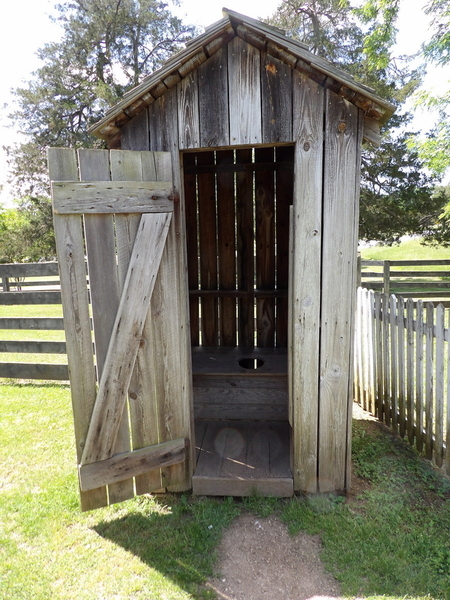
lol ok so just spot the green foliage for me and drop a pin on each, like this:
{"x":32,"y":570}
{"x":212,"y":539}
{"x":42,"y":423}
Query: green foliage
{"x":434,"y":147}
{"x":26,"y":232}
{"x":397,"y":196}
{"x":107,"y":47}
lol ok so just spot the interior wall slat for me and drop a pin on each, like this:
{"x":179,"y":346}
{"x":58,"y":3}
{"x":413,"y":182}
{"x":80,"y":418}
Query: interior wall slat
{"x":245,"y":250}
{"x":244,"y":80}
{"x":213,"y":101}
{"x":284,"y":195}
{"x":226,"y":248}
{"x":208,"y":250}
{"x":105,"y":292}
{"x":276,"y":94}
{"x":306,"y":275}
{"x":190,"y":197}
{"x":340,"y":213}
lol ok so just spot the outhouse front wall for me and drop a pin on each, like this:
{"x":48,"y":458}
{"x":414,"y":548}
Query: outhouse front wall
{"x":242,"y":96}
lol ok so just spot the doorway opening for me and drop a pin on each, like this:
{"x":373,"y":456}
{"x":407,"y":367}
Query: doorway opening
{"x":237,"y":221}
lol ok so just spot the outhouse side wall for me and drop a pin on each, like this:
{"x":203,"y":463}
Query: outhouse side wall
{"x":242,"y":96}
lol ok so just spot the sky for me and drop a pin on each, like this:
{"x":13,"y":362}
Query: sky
{"x":27,"y":27}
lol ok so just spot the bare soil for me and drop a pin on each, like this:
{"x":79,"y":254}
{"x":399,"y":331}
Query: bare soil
{"x":260,"y":560}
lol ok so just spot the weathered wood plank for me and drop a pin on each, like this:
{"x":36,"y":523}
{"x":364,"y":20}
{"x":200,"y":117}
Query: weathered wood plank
{"x":213,"y":101}
{"x":11,"y":298}
{"x":401,"y":367}
{"x":379,"y":355}
{"x":44,"y":371}
{"x":134,"y":134}
{"x":340,"y":226}
{"x":245,"y":251}
{"x":104,"y":292}
{"x":46,"y":323}
{"x":78,"y":197}
{"x":438,"y":445}
{"x":419,"y":375}
{"x":265,"y":249}
{"x":276,"y":93}
{"x":178,"y":360}
{"x":226,"y":246}
{"x":244,"y":81}
{"x":394,"y":361}
{"x":190,"y":198}
{"x":131,"y":464}
{"x":43,"y":269}
{"x":284,"y":195}
{"x":70,"y":249}
{"x":188,"y":112}
{"x":306,"y":293}
{"x":410,"y":369}
{"x":143,"y":413}
{"x":126,"y":337}
{"x":33,"y":347}
{"x":208,"y":250}
{"x":429,"y":383}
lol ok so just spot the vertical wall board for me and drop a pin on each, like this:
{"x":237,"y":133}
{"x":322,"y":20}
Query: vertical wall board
{"x":308,"y":100}
{"x":70,"y":249}
{"x":213,"y":101}
{"x":245,"y":250}
{"x":188,"y":115}
{"x":226,"y":248}
{"x":104,"y":292}
{"x":163,"y":123}
{"x":244,"y":81}
{"x":276,"y":94}
{"x":284,"y":194}
{"x":135,"y":133}
{"x":265,"y":248}
{"x":340,"y":209}
{"x":190,"y":198}
{"x":164,"y":137}
{"x":208,"y":249}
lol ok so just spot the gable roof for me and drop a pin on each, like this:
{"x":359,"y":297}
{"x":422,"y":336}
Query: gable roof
{"x":265,"y":37}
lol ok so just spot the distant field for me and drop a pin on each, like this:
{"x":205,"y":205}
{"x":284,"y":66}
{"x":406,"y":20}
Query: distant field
{"x":409,"y":250}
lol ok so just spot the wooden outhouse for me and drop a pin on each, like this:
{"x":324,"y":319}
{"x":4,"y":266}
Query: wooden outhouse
{"x":220,"y":231}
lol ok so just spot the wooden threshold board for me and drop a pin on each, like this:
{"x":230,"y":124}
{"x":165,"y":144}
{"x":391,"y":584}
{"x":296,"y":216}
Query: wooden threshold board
{"x":237,"y":458}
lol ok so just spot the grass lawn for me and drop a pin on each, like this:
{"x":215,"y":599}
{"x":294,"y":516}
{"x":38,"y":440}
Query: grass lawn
{"x":391,"y":540}
{"x":407,"y":250}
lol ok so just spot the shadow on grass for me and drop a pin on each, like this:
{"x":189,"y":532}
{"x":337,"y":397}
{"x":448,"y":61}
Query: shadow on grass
{"x":176,"y":536}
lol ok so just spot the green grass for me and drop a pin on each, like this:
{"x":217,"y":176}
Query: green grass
{"x":391,"y":540}
{"x":407,"y":250}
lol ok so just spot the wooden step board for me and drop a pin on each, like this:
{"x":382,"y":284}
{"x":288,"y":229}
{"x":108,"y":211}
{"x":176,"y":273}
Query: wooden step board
{"x":237,"y":458}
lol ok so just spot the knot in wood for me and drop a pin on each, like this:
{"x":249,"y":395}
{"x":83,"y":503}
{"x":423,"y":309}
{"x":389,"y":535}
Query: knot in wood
{"x":306,"y":146}
{"x":133,"y":395}
{"x":342,"y":127}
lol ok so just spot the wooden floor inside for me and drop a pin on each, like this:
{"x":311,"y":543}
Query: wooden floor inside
{"x":237,"y":458}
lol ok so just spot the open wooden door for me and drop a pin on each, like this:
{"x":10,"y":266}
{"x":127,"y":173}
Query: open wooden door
{"x":132,"y":407}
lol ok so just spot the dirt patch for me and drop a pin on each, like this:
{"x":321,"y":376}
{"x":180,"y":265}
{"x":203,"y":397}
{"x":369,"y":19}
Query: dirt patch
{"x":259,"y":560}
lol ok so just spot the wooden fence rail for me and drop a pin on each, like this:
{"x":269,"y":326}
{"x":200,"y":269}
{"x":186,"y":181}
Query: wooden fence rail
{"x":34,"y":278}
{"x":402,"y":362}
{"x":424,"y":279}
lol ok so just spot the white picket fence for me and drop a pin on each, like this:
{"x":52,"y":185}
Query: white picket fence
{"x":402,"y":362}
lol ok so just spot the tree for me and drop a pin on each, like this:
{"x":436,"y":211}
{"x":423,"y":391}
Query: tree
{"x":107,"y":47}
{"x":397,"y":197}
{"x":26,"y":232}
{"x":434,"y":148}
